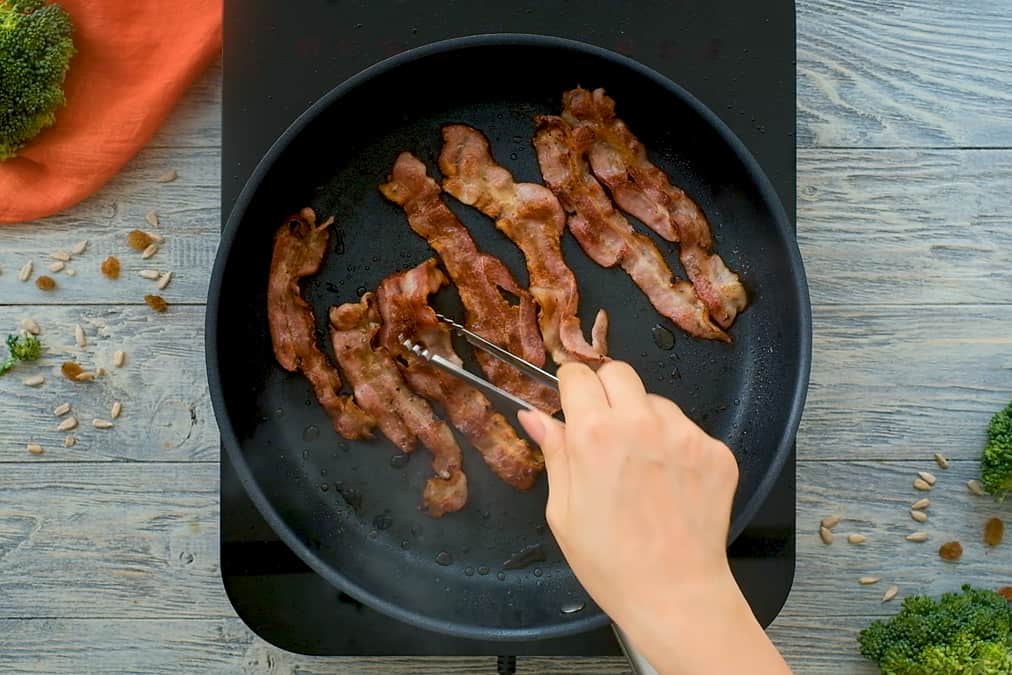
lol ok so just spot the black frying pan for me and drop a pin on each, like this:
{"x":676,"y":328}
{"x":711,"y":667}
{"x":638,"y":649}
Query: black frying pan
{"x":344,"y":507}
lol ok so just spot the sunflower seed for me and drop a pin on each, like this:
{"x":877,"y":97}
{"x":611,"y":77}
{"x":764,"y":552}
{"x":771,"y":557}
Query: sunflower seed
{"x":826,"y":534}
{"x":829,"y":522}
{"x":918,"y":536}
{"x":79,"y":337}
{"x":168,"y":176}
{"x":157,"y":238}
{"x":85,"y":376}
{"x":920,"y":504}
{"x":67,"y":424}
{"x":149,"y":251}
{"x":57,"y":266}
{"x":164,"y":280}
{"x":890,"y":593}
{"x":941,"y":460}
{"x":79,"y":247}
{"x":856,"y":538}
{"x":117,"y":408}
{"x":69,"y":441}
{"x":33,"y":381}
{"x":919,"y":516}
{"x":35,"y":448}
{"x":921,"y":484}
{"x":117,"y":358}
{"x":61,"y":409}
{"x":61,"y":255}
{"x":101,"y":424}
{"x":928,"y":478}
{"x":152,"y":218}
{"x":101,"y":372}
{"x":25,"y":273}
{"x":31,"y":326}
{"x":975,"y":487}
{"x":866,"y":581}
{"x":148,"y":274}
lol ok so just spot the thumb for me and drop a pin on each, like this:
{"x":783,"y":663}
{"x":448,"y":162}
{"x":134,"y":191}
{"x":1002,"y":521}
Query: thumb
{"x":547,"y":432}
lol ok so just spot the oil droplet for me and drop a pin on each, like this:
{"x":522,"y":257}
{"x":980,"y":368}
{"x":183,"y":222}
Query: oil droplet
{"x":483,"y":570}
{"x":279,"y":412}
{"x":469,"y":571}
{"x":572,"y":607}
{"x":310,"y":433}
{"x":360,"y":291}
{"x":400,"y":461}
{"x":443,"y":558}
{"x":323,"y":472}
{"x":404,"y":544}
{"x":663,"y":338}
{"x":324,"y":486}
{"x":513,"y":155}
{"x":485,"y":515}
{"x":537,"y":571}
{"x":373,"y":534}
{"x":500,"y":576}
{"x":383,"y":521}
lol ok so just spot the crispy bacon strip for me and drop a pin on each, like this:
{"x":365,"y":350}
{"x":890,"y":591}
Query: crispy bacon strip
{"x":639,"y":187}
{"x":605,"y":234}
{"x":402,"y":416}
{"x":403,"y":304}
{"x":481,"y":279}
{"x":299,"y":248}
{"x":530,"y":215}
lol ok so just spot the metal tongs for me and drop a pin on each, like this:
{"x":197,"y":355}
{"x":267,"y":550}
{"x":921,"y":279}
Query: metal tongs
{"x":498,"y":352}
{"x":637,"y":662}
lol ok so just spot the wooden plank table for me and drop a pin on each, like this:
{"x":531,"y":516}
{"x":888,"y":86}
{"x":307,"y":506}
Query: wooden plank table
{"x":109,"y":549}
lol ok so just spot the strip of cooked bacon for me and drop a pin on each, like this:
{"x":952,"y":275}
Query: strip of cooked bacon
{"x":402,"y":416}
{"x":299,"y":248}
{"x":481,"y":279}
{"x":530,"y":215}
{"x":403,"y":304}
{"x":639,"y":187}
{"x":606,"y":235}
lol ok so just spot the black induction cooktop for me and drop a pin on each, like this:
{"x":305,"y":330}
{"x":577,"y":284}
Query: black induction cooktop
{"x":735,"y":56}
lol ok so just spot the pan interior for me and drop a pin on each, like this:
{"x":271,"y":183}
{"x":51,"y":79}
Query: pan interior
{"x":349,"y":504}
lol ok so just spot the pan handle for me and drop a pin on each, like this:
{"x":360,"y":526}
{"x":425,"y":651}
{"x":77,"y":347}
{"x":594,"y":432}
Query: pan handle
{"x":637,"y":662}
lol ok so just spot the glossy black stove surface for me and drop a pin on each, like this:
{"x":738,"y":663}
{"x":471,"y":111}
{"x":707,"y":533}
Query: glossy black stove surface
{"x":736,"y":56}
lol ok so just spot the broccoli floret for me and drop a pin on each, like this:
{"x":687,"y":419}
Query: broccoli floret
{"x":965,"y":633}
{"x":996,"y":464}
{"x":20,"y":348}
{"x":36,"y":44}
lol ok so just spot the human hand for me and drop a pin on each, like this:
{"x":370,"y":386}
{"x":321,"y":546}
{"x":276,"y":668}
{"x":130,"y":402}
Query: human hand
{"x":640,"y":503}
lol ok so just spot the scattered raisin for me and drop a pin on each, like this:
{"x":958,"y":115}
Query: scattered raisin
{"x":45,"y":283}
{"x":994,"y":532}
{"x":110,"y":267}
{"x":951,"y":550}
{"x":139,"y":240}
{"x":156,"y":302}
{"x":1006,"y":592}
{"x":71,"y":370}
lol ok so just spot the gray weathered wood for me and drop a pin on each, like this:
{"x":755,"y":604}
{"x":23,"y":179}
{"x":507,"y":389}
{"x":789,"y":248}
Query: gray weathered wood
{"x":162,"y":387}
{"x":109,"y":565}
{"x":895,"y":227}
{"x":886,"y":383}
{"x":140,"y":540}
{"x":905,"y":73}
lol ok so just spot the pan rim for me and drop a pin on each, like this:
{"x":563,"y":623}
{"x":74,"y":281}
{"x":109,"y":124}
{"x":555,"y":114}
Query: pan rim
{"x":232,"y":445}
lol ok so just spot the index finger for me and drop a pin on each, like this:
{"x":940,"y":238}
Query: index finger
{"x":583,"y":395}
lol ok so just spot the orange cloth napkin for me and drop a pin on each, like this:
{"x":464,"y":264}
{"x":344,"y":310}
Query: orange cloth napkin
{"x":134,"y":60}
